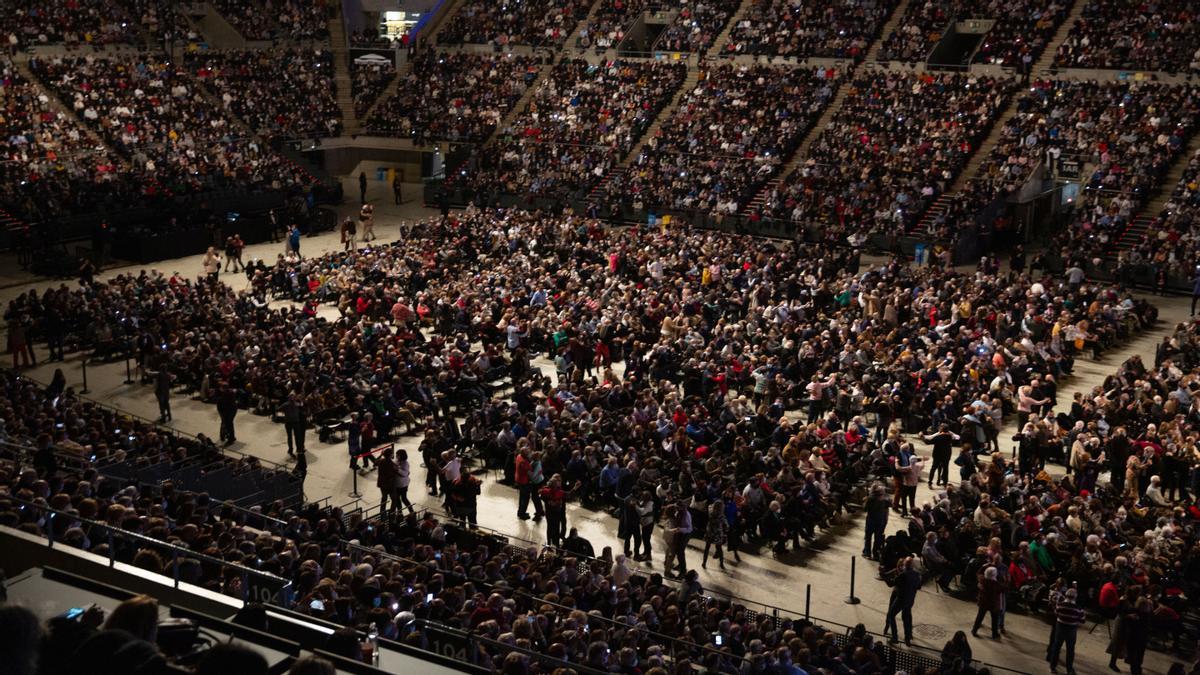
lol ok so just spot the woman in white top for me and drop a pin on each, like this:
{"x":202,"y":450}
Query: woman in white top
{"x":402,"y":476}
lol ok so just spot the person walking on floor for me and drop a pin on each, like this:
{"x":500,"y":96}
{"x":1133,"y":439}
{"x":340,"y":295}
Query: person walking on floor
{"x":162,"y":392}
{"x":295,"y":423}
{"x":227,"y":408}
{"x":716,"y":531}
{"x":943,"y":448}
{"x":385,"y":480}
{"x":403,"y":474}
{"x":683,"y":533}
{"x":555,"y":500}
{"x":877,"y":508}
{"x":293,"y":241}
{"x":904,"y":596}
{"x":989,"y":599}
{"x":1068,"y":618}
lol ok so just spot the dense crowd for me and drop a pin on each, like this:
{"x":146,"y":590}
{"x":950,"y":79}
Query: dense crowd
{"x":1022,"y":30}
{"x":898,"y":141}
{"x":48,"y":164}
{"x":696,"y":26}
{"x":367,"y":82}
{"x":727,"y":137}
{"x":1171,"y":244}
{"x":278,"y":19}
{"x":833,"y":28}
{"x":156,"y":117}
{"x":580,"y":122}
{"x":26,"y":23}
{"x":285,"y":93}
{"x":1138,"y":36}
{"x":513,"y":22}
{"x":1126,"y":548}
{"x":458,"y":96}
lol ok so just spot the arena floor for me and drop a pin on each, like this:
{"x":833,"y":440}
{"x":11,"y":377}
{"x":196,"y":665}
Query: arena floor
{"x":759,"y":578}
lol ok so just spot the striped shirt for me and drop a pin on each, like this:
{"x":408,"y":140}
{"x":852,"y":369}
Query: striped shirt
{"x":1068,"y":613}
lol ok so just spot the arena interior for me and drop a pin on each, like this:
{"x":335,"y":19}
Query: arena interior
{"x":839,"y":337}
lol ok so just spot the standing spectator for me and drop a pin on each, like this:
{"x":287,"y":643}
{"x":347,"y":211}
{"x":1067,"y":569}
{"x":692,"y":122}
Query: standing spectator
{"x":385,"y":480}
{"x":715,"y":532}
{"x":233,"y":253}
{"x":403,"y":476}
{"x":943,"y":447}
{"x":348,"y":232}
{"x":354,"y":440}
{"x":877,"y":508}
{"x":555,"y":499}
{"x":366,"y":438}
{"x":398,"y":188}
{"x":989,"y":599}
{"x":19,"y":343}
{"x":162,"y":391}
{"x":1068,"y":617}
{"x":904,"y":596}
{"x":227,"y":408}
{"x":362,"y":187}
{"x":212,"y":264}
{"x":293,"y":241}
{"x":521,"y":476}
{"x":366,"y":217}
{"x":683,"y":533}
{"x":295,"y":423}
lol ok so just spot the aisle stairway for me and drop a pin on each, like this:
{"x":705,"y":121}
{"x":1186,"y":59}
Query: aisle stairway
{"x":517,"y":108}
{"x":689,"y":84}
{"x":985,"y":148}
{"x":341,"y":72}
{"x":1137,"y":229}
{"x":892,"y":23}
{"x":723,"y":37}
{"x":1046,"y":60}
{"x":219,"y":33}
{"x":388,"y":91}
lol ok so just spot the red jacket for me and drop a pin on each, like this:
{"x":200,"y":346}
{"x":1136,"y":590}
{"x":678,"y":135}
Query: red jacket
{"x":522,"y":470}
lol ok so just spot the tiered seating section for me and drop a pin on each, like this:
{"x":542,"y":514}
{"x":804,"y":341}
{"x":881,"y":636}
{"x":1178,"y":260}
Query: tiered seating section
{"x":154,"y":115}
{"x":1023,"y":29}
{"x":514,"y":22}
{"x":278,"y":19}
{"x":283,"y":93}
{"x":1162,"y":35}
{"x":459,"y":96}
{"x":830,"y":28}
{"x":898,"y":141}
{"x":581,"y":121}
{"x":729,"y":136}
{"x":30,"y":23}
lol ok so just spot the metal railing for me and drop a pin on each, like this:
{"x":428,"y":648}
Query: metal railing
{"x":255,"y":586}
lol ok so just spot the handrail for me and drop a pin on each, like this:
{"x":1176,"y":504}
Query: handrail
{"x":473,"y":640}
{"x":284,"y":585}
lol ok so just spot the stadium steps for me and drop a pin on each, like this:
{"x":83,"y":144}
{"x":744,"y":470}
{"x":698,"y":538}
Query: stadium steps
{"x":518,"y":107}
{"x":888,"y":28}
{"x":614,"y":175}
{"x":760,"y":197}
{"x":936,"y":209}
{"x":388,"y":92}
{"x":61,"y":108}
{"x":689,"y":84}
{"x":980,"y":155}
{"x":723,"y":37}
{"x":438,"y":22}
{"x":1141,"y":224}
{"x":573,"y":38}
{"x":341,"y":72}
{"x":217,"y":30}
{"x":1046,"y":60}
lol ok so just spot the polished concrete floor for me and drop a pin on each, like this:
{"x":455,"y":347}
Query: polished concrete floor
{"x":764,"y":581}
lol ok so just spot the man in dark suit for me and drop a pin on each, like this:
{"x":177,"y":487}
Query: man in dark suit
{"x":904,"y":595}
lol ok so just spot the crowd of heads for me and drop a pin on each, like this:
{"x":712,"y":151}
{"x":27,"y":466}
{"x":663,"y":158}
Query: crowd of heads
{"x":48,"y":163}
{"x":898,"y":141}
{"x":841,"y":29}
{"x":509,"y":22}
{"x":1136,"y":36}
{"x":696,"y":26}
{"x":27,"y":23}
{"x":459,"y":96}
{"x":1171,"y":241}
{"x":727,"y":137}
{"x":283,"y":93}
{"x":581,"y":121}
{"x":1022,"y":30}
{"x":155,"y":116}
{"x":367,"y":82}
{"x":278,"y":19}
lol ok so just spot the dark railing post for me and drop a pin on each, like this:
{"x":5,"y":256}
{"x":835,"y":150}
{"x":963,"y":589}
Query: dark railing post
{"x":808,"y":600}
{"x":853,"y":599}
{"x":128,"y":371}
{"x":175,"y":566}
{"x":245,"y":586}
{"x":85,"y":389}
{"x":354,"y":492}
{"x":112,"y":559}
